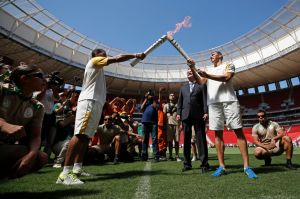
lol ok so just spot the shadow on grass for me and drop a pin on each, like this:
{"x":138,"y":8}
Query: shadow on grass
{"x":67,"y":193}
{"x":262,"y":169}
{"x":125,"y":174}
{"x":212,"y":157}
{"x":274,"y":168}
{"x":43,"y":171}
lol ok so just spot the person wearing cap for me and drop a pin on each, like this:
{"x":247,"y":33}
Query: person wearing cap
{"x":20,"y":123}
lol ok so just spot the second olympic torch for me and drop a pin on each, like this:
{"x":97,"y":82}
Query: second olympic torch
{"x":155,"y":45}
{"x":178,"y":47}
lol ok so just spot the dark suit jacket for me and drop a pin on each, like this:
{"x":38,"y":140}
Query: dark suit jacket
{"x":192,"y":106}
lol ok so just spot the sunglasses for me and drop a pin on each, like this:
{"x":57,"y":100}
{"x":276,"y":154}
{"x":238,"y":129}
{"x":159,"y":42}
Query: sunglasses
{"x":107,"y":119}
{"x":261,"y":116}
{"x":37,"y":75}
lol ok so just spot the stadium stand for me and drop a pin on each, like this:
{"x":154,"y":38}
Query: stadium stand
{"x":275,"y":58}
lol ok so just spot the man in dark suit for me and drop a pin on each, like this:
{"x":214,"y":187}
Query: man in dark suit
{"x":192,"y":111}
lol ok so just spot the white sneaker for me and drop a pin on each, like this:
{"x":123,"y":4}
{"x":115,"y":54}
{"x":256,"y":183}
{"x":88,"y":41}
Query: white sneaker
{"x":178,"y":159}
{"x":194,"y":159}
{"x":162,"y":158}
{"x":61,"y":178}
{"x":81,"y":172}
{"x":56,"y":165}
{"x":72,"y":179}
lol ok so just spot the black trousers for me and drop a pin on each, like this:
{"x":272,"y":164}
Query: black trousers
{"x":201,"y":142}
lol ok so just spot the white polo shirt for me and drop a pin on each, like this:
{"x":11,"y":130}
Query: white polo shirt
{"x":94,"y":84}
{"x":220,"y":91}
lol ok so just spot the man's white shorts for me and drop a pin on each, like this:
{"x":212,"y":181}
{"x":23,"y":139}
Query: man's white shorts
{"x":224,"y":111}
{"x":87,"y":117}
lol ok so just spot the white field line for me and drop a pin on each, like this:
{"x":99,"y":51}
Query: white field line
{"x":144,"y":186}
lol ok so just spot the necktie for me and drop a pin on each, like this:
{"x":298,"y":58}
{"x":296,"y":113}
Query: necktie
{"x":191,"y":86}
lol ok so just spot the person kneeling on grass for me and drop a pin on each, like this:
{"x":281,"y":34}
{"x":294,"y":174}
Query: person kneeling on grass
{"x":21,"y":119}
{"x":270,"y":140}
{"x":110,"y":139}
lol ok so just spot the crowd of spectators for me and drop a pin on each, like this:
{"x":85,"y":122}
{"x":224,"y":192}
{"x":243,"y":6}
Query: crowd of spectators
{"x":37,"y":120}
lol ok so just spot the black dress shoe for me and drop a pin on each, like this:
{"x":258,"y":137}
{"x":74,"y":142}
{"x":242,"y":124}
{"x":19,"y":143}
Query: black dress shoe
{"x":186,"y":168}
{"x":205,"y":169}
{"x":290,"y":166}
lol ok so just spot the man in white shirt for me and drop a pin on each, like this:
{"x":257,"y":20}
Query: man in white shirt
{"x":223,"y":106}
{"x":89,"y":109}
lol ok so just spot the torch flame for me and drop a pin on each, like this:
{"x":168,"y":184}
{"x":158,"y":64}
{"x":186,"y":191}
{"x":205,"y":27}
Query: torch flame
{"x":185,"y":23}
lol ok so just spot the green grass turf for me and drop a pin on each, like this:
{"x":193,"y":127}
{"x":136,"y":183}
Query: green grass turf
{"x":166,"y":181}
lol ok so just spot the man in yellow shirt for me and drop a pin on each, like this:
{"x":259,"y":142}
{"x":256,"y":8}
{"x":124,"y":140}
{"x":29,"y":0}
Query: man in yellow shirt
{"x":89,"y":109}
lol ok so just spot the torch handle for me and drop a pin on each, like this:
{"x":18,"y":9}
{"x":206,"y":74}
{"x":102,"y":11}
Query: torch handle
{"x":135,"y":61}
{"x":178,"y":47}
{"x":150,"y":49}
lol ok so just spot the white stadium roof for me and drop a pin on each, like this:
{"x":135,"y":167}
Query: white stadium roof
{"x":268,"y":53}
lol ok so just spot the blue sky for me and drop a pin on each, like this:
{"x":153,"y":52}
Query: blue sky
{"x":133,"y":25}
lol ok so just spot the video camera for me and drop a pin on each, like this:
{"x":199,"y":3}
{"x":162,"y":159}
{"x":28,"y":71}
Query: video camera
{"x":149,"y":92}
{"x":54,"y":79}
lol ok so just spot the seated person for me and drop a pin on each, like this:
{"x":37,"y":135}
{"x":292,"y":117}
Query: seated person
{"x":109,"y":138}
{"x":134,"y":139}
{"x":20,"y":123}
{"x":270,"y":140}
{"x":129,"y":140}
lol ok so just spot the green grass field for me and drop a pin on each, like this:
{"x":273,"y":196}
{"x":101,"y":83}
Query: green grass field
{"x":165,"y":180}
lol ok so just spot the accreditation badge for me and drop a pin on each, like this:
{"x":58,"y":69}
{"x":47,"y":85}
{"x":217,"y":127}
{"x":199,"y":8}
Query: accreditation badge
{"x":28,"y":112}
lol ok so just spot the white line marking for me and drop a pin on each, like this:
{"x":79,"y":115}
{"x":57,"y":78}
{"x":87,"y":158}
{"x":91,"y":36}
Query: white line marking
{"x":144,"y":186}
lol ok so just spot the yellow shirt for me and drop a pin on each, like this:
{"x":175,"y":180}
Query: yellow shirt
{"x":94,"y":84}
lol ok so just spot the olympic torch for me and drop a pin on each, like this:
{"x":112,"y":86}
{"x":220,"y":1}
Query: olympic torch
{"x":177,"y":46}
{"x":155,"y":45}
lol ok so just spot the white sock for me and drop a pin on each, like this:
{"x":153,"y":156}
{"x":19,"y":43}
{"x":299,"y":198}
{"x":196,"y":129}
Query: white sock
{"x":67,"y":169}
{"x":77,"y":166}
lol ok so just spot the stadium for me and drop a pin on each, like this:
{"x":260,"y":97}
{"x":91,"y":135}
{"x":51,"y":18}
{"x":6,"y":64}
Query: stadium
{"x":267,"y":77}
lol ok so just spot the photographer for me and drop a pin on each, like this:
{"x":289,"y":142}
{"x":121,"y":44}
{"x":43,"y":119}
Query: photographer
{"x":47,"y":96}
{"x":5,"y":71}
{"x":149,"y":121}
{"x":65,"y":111}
